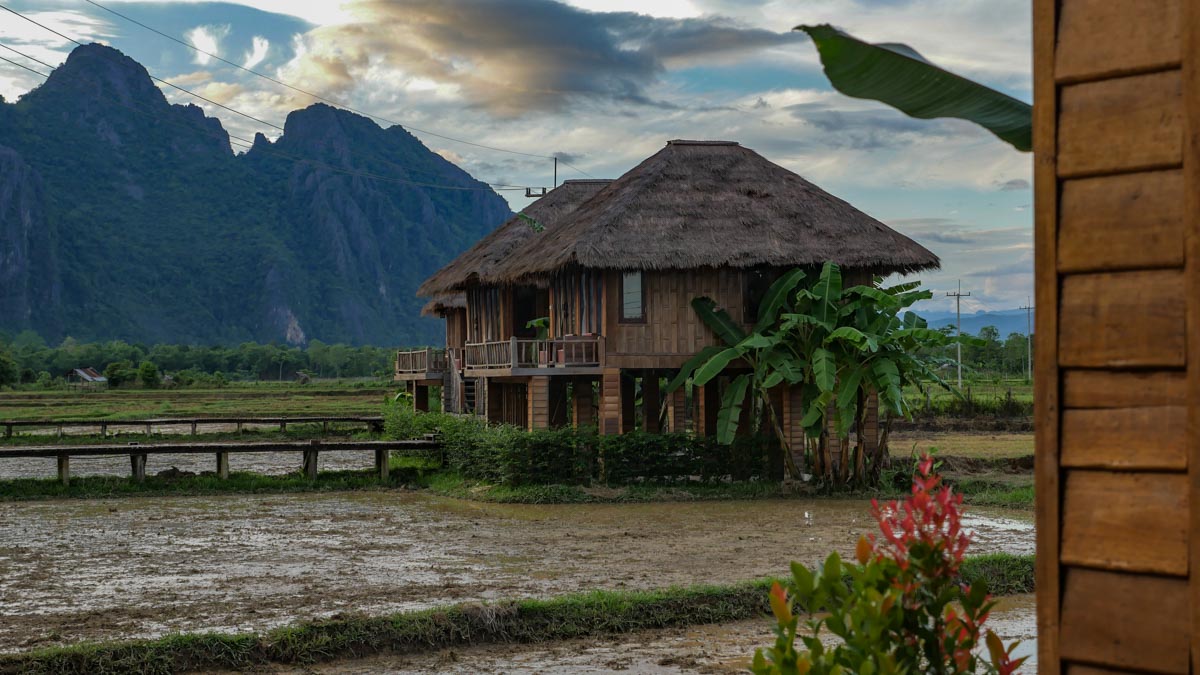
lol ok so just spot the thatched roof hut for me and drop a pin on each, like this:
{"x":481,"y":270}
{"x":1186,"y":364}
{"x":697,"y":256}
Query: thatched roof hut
{"x":440,"y":303}
{"x":700,"y":204}
{"x":479,"y":261}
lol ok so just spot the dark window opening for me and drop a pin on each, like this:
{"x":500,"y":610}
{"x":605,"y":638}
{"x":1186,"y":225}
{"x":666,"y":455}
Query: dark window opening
{"x":633,"y":297}
{"x":755,"y":284}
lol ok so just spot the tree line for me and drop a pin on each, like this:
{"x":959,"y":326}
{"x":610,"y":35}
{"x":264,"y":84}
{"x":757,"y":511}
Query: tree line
{"x":26,"y":359}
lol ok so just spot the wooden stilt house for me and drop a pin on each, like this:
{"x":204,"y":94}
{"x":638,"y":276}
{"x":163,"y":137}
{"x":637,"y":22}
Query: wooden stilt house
{"x":615,"y":277}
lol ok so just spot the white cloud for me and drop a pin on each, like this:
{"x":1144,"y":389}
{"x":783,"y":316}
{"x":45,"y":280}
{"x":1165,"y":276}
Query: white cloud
{"x":259,"y":52}
{"x":206,"y":39}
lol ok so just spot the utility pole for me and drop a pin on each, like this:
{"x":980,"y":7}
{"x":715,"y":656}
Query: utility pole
{"x":555,"y":183}
{"x":1028,"y":340}
{"x":958,"y":296}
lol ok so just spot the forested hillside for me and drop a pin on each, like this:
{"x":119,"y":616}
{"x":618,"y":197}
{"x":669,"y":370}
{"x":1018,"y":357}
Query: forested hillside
{"x":123,"y":216}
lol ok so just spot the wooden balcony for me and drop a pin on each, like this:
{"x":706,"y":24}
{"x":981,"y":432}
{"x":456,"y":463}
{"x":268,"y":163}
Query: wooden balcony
{"x":421,"y":364}
{"x":523,"y":356}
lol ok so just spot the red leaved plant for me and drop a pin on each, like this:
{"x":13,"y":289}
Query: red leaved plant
{"x":902,"y":609}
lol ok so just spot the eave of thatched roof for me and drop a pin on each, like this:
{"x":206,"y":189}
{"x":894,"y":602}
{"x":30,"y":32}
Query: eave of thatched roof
{"x":700,"y":204}
{"x":440,"y":303}
{"x":478,"y":262}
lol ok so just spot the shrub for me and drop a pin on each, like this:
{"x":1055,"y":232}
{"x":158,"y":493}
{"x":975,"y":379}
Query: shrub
{"x":903,"y":608}
{"x":148,"y":375}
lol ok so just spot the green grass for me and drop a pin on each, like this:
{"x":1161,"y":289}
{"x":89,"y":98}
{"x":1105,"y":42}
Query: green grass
{"x":451,"y":484}
{"x":514,"y":621}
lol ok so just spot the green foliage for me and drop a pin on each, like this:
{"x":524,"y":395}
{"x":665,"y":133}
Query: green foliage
{"x":897,"y":75}
{"x":120,"y":373}
{"x":904,"y":608}
{"x":9,"y":372}
{"x":148,"y":375}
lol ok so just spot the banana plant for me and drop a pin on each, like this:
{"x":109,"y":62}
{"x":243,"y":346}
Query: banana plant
{"x":839,"y":345}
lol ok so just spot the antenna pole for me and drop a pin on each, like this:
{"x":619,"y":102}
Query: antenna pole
{"x":555,"y":183}
{"x":1028,"y":340}
{"x":958,"y":296}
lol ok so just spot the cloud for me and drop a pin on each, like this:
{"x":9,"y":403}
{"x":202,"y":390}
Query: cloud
{"x":513,"y":57}
{"x":1014,"y":184}
{"x":258,"y":53}
{"x":208,"y":39}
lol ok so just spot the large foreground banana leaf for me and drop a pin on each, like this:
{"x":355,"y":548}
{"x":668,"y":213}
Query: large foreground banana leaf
{"x":897,"y":75}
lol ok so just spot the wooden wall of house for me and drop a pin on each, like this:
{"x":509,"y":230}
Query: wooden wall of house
{"x":456,"y":328}
{"x":673,"y":332}
{"x":1117,"y":180}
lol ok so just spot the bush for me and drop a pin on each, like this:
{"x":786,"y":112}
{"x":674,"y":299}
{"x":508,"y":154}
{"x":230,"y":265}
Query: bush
{"x":148,"y":375}
{"x":513,"y":456}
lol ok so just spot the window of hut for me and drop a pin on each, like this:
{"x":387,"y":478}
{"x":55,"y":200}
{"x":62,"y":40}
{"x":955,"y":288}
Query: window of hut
{"x":633,"y":297}
{"x":755,"y":284}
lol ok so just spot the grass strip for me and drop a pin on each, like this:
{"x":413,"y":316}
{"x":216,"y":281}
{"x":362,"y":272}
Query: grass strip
{"x":514,"y":621}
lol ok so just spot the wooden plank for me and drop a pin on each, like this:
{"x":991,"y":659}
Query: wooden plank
{"x":1082,"y":669}
{"x":1123,"y":124}
{"x":1191,"y":170}
{"x":1123,"y":319}
{"x":1125,"y":621}
{"x":1123,"y":389}
{"x":1125,"y":438}
{"x":1107,"y":38}
{"x":1046,"y":384}
{"x":1126,"y":521}
{"x":1129,"y":221}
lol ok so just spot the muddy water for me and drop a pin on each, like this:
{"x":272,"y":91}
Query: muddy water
{"x":720,"y":648}
{"x":73,"y":570}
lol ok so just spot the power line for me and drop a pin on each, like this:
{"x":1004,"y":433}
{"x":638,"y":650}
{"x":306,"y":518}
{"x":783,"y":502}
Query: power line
{"x":323,"y":98}
{"x":35,"y":72}
{"x":274,"y":152}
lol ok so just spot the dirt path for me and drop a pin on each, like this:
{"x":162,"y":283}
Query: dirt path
{"x":722,"y":648}
{"x":97,"y":569}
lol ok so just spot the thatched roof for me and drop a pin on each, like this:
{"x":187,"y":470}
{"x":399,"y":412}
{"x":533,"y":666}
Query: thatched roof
{"x":442,"y":302}
{"x":715,"y":204}
{"x":479,"y":261}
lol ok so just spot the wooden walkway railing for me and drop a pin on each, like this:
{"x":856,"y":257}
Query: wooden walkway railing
{"x":138,"y":453}
{"x":375,"y":423}
{"x":421,"y":361}
{"x":531,"y":353}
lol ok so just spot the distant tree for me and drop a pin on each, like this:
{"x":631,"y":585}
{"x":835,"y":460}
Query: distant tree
{"x":148,"y":375}
{"x":120,"y":373}
{"x":9,"y":373}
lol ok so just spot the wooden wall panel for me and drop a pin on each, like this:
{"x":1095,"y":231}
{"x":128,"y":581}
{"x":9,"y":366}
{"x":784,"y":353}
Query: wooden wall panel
{"x":1125,"y":521}
{"x":1121,"y":222}
{"x":1123,"y":389}
{"x":1122,"y":124}
{"x":1125,"y":438}
{"x":1122,"y":320}
{"x":1125,"y":620}
{"x":1107,"y":38}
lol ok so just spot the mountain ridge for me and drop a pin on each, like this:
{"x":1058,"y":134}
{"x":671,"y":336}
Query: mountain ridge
{"x":123,"y":216}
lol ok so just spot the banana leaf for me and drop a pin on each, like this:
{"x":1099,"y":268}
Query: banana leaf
{"x":897,"y":75}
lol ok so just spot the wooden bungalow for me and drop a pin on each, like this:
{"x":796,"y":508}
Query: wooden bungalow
{"x":615,"y":277}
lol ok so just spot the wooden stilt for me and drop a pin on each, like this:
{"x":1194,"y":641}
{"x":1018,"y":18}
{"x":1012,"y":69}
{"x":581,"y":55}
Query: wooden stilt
{"x":610,"y":402}
{"x":310,"y":463}
{"x":64,"y":469}
{"x":222,"y":465}
{"x":137,"y":467}
{"x":382,"y":462}
{"x":628,"y":407}
{"x":651,"y":403}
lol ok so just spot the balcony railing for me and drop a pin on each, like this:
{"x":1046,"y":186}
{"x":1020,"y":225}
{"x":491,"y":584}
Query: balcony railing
{"x":421,"y":361}
{"x":562,"y":352}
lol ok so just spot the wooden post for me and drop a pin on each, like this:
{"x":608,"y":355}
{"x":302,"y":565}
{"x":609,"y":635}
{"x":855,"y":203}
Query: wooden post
{"x":103,"y":430}
{"x":512,"y":353}
{"x":8,"y":430}
{"x":558,"y":402}
{"x":382,"y":462}
{"x":148,"y":429}
{"x":628,"y":399}
{"x":538,"y":399}
{"x":283,"y":425}
{"x":239,"y":427}
{"x":582,"y":414}
{"x":137,"y":467}
{"x":651,"y":403}
{"x":60,"y":431}
{"x":610,"y":402}
{"x":310,"y":462}
{"x":677,"y":410}
{"x":222,"y":465}
{"x":193,"y":427}
{"x":64,"y":469}
{"x":420,"y":397}
{"x":325,"y":427}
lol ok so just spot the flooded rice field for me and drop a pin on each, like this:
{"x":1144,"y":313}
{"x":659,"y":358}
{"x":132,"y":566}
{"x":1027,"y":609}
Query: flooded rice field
{"x":718,"y":648}
{"x":134,"y":567}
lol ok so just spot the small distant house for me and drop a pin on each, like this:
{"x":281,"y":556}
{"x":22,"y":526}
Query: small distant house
{"x":86,"y":377}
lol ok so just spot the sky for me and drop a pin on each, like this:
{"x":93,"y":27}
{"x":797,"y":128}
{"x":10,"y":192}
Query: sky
{"x":603,"y":84}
